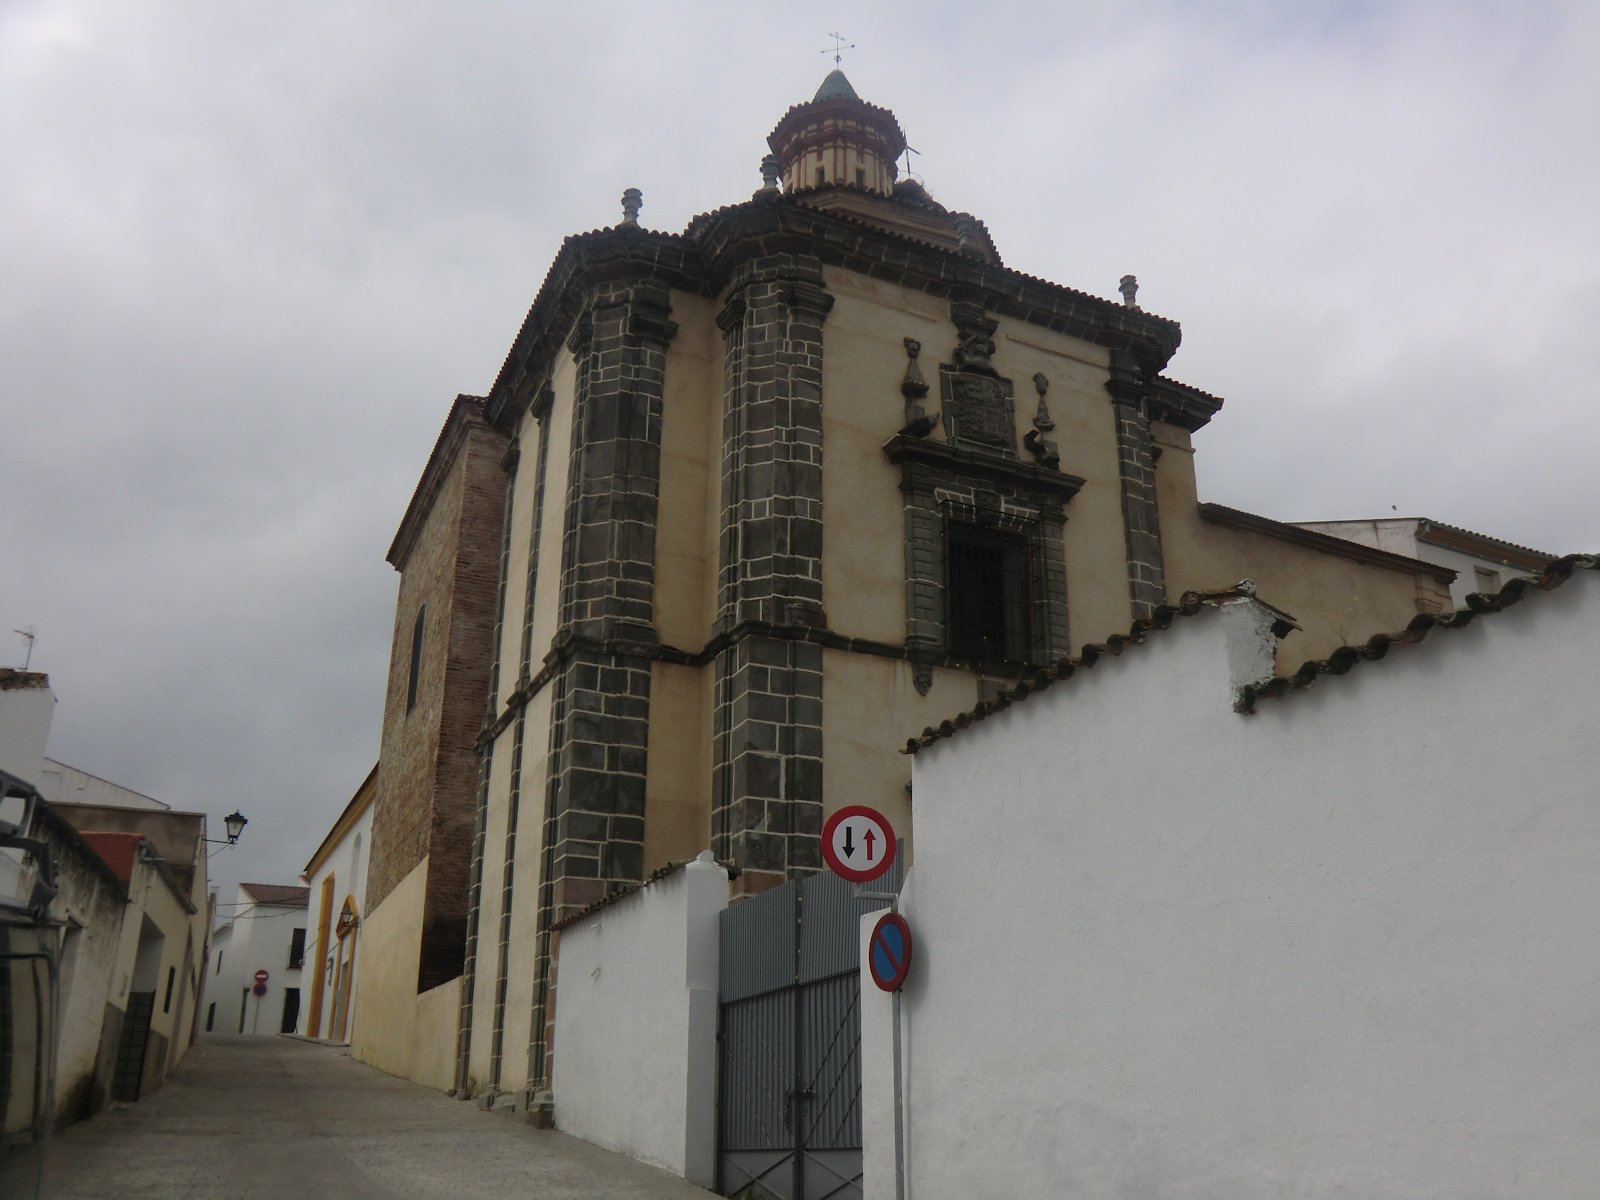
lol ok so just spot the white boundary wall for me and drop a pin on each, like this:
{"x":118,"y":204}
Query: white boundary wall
{"x":1345,"y":947}
{"x":636,"y":1023}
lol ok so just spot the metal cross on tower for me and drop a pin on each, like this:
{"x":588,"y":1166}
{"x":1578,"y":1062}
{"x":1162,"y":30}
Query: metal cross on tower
{"x":839,"y":44}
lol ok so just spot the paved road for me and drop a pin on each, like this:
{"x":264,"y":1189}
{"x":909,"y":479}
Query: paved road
{"x":274,"y":1117}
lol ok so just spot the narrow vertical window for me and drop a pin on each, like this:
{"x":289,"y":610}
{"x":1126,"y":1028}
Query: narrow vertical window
{"x":172,"y":975}
{"x":297,"y":948}
{"x":416,"y":658}
{"x":219,"y":962}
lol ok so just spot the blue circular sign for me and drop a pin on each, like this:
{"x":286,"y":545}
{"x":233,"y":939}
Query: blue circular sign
{"x":889,"y":952}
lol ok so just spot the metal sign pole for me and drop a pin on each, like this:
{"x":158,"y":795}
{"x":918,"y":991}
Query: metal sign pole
{"x":899,"y":1103}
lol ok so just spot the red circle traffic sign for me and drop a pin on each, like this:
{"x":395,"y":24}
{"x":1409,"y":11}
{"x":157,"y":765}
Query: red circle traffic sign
{"x":858,"y":843}
{"x":261,"y":976}
{"x":889,"y":952}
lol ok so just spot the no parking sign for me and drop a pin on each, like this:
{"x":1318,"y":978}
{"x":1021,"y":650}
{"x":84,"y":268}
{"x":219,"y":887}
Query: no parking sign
{"x":889,"y":952}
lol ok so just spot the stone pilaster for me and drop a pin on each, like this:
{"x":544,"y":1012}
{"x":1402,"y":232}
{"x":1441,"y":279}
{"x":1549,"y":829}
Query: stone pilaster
{"x":1147,"y":587}
{"x":599,"y":723}
{"x":767,"y":778}
{"x":469,"y":981}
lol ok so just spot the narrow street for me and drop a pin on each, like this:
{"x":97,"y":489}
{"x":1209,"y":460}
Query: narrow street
{"x":275,"y":1117}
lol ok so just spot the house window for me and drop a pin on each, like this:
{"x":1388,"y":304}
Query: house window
{"x":416,"y":658}
{"x":297,"y":949}
{"x":986,"y":594}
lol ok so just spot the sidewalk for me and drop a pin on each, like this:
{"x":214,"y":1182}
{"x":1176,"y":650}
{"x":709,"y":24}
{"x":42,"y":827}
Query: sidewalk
{"x":277,"y":1117}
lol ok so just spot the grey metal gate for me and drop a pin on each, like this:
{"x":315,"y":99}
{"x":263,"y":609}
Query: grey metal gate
{"x":789,"y":1104}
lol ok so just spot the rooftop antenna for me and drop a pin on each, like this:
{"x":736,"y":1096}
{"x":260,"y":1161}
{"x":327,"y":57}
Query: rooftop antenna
{"x":839,"y":45}
{"x":27,"y":635}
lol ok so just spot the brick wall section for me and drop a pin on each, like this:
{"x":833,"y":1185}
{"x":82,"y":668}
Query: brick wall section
{"x":448,"y":558}
{"x":1147,"y":583}
{"x":767,"y":721}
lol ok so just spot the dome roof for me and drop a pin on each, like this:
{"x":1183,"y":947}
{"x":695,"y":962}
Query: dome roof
{"x":835,"y":87}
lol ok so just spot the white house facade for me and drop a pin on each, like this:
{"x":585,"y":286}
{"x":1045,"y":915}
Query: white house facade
{"x":266,"y":936}
{"x":337,"y":875}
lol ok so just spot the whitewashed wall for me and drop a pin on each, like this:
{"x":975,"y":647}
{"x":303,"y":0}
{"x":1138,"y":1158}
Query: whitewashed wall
{"x":1348,"y":946}
{"x":347,"y":862}
{"x":258,"y":938}
{"x":636,"y":1023}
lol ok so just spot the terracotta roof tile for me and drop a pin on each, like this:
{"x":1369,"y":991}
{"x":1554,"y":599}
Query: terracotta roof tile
{"x":1190,"y":604}
{"x":1379,"y":646}
{"x":119,"y":851}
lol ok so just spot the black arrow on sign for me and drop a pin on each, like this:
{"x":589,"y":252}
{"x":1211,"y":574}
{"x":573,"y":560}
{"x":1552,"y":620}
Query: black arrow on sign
{"x":849,"y":840}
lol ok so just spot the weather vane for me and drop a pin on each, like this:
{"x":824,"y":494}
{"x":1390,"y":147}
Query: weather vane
{"x":839,"y":44}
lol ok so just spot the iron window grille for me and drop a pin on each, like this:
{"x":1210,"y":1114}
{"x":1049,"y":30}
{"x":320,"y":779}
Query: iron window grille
{"x":988,"y":594}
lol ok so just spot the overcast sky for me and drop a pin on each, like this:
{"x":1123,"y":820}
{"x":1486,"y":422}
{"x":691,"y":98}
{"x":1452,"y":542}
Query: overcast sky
{"x":249,"y":252}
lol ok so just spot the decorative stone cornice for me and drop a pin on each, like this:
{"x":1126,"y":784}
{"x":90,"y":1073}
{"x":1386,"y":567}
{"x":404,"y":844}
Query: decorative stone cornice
{"x":903,"y":450}
{"x":706,"y":258}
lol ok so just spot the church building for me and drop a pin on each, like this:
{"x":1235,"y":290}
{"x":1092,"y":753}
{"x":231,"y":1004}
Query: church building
{"x":772,"y":495}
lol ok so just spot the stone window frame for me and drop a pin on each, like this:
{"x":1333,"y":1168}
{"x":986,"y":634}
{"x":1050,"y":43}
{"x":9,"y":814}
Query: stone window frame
{"x":944,"y":485}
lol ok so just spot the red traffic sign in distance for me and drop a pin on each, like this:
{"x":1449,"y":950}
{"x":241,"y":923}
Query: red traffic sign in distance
{"x":889,"y":952}
{"x":858,"y":843}
{"x":261,"y":976}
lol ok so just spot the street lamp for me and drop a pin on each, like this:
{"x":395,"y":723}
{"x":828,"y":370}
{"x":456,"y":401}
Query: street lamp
{"x":234,"y":823}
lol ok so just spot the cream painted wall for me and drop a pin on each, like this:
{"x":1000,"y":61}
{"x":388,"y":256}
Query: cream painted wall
{"x":692,"y":395}
{"x":1336,"y":600}
{"x":486,"y":966}
{"x":520,"y":961}
{"x":863,"y":569}
{"x":396,"y":1030}
{"x":863,"y":514}
{"x":1097,"y":586}
{"x":677,"y":821}
{"x":347,"y":863}
{"x":564,"y":382}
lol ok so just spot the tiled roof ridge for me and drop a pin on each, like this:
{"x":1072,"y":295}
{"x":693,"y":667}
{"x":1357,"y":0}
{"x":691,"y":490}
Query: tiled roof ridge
{"x":1190,"y":389}
{"x":1473,"y":533}
{"x":1420,"y":626}
{"x":463,"y":409}
{"x":282,"y":894}
{"x":1188,"y":605}
{"x":569,"y":246}
{"x":1008,"y":283}
{"x":877,"y":110}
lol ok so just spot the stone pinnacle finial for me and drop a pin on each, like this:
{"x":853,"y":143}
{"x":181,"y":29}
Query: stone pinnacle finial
{"x":1129,"y":287}
{"x":771,"y":169}
{"x":632,"y":202}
